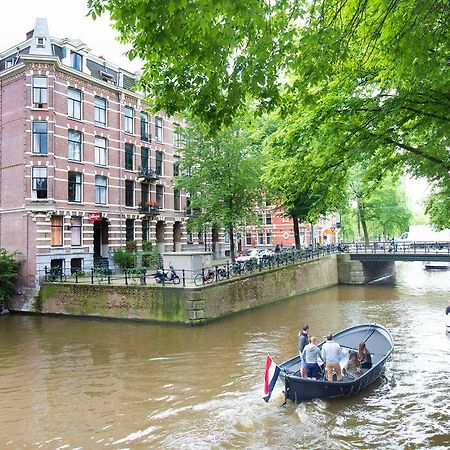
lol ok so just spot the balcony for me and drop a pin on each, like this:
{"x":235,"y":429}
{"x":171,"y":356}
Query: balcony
{"x":147,"y":174}
{"x":149,"y":208}
{"x":193,"y":212}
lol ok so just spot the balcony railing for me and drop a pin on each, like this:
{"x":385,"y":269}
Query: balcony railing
{"x":149,"y":208}
{"x":148,"y":174}
{"x":193,"y":212}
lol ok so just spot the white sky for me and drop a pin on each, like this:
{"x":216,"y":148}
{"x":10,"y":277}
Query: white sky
{"x":65,"y":18}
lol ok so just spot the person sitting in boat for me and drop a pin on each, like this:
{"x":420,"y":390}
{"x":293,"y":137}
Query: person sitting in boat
{"x":302,"y":342}
{"x":310,"y":354}
{"x":331,"y":355}
{"x":447,"y":310}
{"x":353,"y":367}
{"x":365,"y":358}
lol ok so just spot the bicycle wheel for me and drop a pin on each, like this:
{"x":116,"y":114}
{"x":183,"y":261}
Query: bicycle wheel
{"x":198,"y":280}
{"x":209,"y":278}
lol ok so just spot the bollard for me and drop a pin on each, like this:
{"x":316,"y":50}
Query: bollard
{"x":126,"y":279}
{"x":92,"y":275}
{"x":184,"y":278}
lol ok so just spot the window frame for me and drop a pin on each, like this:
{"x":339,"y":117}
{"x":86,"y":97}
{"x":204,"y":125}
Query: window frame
{"x":40,"y":93}
{"x":76,"y":231}
{"x":74,"y":145}
{"x":76,"y":61}
{"x":159,"y":195}
{"x":34,"y":179}
{"x":56,"y":230}
{"x":100,"y":110}
{"x":101,"y":190}
{"x":98,"y":149}
{"x":129,"y":193}
{"x":74,"y":104}
{"x":129,"y":156}
{"x":145,"y":122}
{"x":159,"y":129}
{"x":129,"y":229}
{"x":159,"y":162}
{"x":72,"y":186}
{"x":176,"y":135}
{"x":177,"y":199}
{"x":129,"y":120}
{"x":39,"y":138}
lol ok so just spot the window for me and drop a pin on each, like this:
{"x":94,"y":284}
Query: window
{"x":260,"y":239}
{"x":176,"y":200}
{"x":268,"y":218}
{"x":144,"y":127}
{"x":74,"y":145}
{"x":56,"y":228}
{"x":39,"y":182}
{"x":159,"y":163}
{"x":129,"y":119}
{"x":76,"y":265}
{"x":129,"y":229}
{"x":74,"y":103}
{"x":100,"y":151}
{"x":74,"y":187}
{"x":40,"y":92}
{"x":269,"y":238}
{"x":189,"y":238}
{"x":40,"y":139}
{"x":129,"y":156}
{"x":260,"y":218}
{"x":158,"y":129}
{"x":9,"y":63}
{"x":100,"y":111}
{"x":75,"y":229}
{"x":248,"y":239}
{"x":145,"y":230}
{"x":101,"y":184}
{"x":160,"y":196}
{"x":144,"y":193}
{"x":40,"y":42}
{"x":200,"y":237}
{"x":144,"y":159}
{"x":176,"y":136}
{"x":176,"y":166}
{"x":129,"y":193}
{"x":76,"y":61}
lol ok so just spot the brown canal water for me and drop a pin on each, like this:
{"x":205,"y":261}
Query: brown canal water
{"x":86,"y":384}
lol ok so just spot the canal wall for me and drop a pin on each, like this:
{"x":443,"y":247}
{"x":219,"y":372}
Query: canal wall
{"x":188,"y":305}
{"x":362,"y":272}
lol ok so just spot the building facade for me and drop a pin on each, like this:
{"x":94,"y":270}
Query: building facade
{"x":84,"y":166}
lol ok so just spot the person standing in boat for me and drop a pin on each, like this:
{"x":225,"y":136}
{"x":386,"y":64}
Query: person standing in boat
{"x":364,"y":356}
{"x":447,"y":310}
{"x":302,"y":342}
{"x":331,"y":355}
{"x":310,"y":354}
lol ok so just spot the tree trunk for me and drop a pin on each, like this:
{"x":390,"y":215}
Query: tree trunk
{"x":232,"y":253}
{"x":296,"y":233}
{"x":363,"y":223}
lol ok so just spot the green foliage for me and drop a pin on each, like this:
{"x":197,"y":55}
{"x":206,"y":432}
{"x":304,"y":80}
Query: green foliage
{"x":355,"y":80}
{"x":438,"y":206}
{"x":222,"y":175}
{"x":9,"y":271}
{"x":151,"y":257}
{"x":131,"y":246}
{"x":124,"y":259}
{"x":147,"y":246}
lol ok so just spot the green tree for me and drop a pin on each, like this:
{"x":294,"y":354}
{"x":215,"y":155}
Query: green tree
{"x":222,"y":175}
{"x":9,"y":271}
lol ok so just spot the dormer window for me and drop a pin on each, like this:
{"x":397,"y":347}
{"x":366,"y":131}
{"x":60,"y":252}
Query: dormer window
{"x":9,"y":63}
{"x":107,"y":77}
{"x":40,"y":42}
{"x":76,"y":61}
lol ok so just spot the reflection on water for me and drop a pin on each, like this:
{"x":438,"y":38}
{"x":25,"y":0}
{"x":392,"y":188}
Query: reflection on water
{"x":70,"y":383}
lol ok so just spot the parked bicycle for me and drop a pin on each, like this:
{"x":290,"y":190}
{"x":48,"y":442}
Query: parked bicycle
{"x":206,"y":277}
{"x":55,"y":274}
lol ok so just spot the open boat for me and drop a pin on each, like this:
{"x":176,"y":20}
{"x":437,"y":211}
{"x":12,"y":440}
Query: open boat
{"x":378,"y":341}
{"x":436,"y":265}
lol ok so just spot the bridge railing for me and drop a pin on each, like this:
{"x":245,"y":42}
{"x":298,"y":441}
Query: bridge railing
{"x":407,"y":247}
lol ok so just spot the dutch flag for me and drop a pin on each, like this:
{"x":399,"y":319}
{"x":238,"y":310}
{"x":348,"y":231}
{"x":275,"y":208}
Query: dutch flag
{"x":271,"y":376}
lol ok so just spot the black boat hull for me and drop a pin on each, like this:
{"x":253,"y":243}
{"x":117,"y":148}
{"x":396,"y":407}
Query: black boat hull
{"x":298,"y":388}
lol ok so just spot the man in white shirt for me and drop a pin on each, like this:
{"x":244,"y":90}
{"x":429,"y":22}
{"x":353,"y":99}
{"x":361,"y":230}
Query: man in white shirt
{"x":331,"y":355}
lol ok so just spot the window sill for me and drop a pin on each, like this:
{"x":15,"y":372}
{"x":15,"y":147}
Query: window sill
{"x":39,"y":154}
{"x":75,"y":161}
{"x":101,"y":125}
{"x":75,"y":118}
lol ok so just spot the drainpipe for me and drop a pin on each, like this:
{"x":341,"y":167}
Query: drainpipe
{"x":121,"y":98}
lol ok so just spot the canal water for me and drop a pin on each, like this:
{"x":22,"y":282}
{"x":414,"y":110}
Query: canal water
{"x":70,"y":383}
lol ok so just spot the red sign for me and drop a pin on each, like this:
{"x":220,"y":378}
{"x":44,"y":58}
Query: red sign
{"x":94,"y":216}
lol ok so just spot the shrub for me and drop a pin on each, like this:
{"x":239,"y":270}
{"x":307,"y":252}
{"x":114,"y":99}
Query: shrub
{"x":9,"y":270}
{"x":131,"y":246}
{"x":124,"y":259}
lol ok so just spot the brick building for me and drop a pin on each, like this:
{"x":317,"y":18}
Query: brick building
{"x":84,"y":166}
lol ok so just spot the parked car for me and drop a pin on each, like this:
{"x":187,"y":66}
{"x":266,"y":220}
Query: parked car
{"x":255,"y":253}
